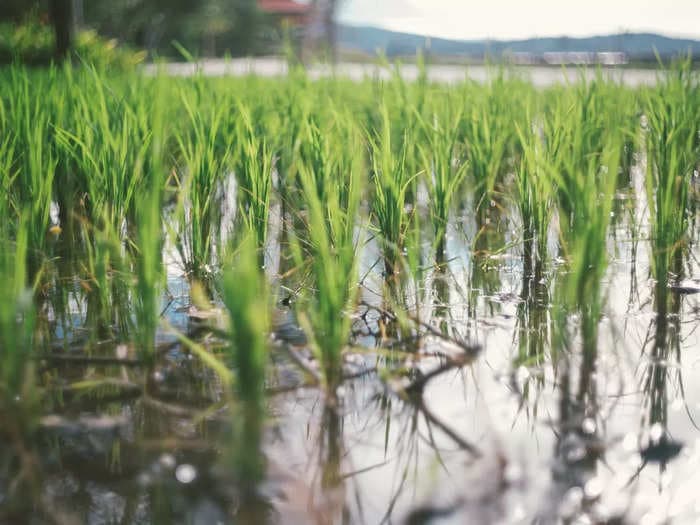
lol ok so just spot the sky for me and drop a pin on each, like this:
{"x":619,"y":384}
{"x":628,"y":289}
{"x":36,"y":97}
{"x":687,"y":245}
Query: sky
{"x":510,"y":19}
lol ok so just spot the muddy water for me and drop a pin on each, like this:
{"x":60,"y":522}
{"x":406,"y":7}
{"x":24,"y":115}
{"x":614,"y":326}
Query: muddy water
{"x":516,"y":436}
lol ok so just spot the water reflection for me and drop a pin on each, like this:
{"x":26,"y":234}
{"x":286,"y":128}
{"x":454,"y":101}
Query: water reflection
{"x":396,"y":453}
{"x":485,"y":275}
{"x":662,"y":352}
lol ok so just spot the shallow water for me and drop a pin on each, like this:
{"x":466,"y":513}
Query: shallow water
{"x":538,"y":75}
{"x":514,"y":436}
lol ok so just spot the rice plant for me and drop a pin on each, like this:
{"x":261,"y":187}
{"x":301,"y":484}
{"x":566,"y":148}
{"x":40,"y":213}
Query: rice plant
{"x":18,"y":394}
{"x":104,"y":278}
{"x":586,"y":203}
{"x":32,"y":172}
{"x":148,"y":267}
{"x":204,"y":163}
{"x":244,"y":291}
{"x":391,"y":181}
{"x":488,"y":130}
{"x":120,"y":159}
{"x":254,"y":175}
{"x":533,"y":183}
{"x":107,"y":141}
{"x":8,"y":172}
{"x":444,"y":171}
{"x":673,"y":152}
{"x":331,"y":243}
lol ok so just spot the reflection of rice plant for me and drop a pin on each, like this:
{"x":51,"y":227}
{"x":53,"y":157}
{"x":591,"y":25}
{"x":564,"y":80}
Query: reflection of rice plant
{"x":244,"y":291}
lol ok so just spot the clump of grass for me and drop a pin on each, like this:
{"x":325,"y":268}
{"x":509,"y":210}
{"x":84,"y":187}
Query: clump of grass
{"x":245,"y":294}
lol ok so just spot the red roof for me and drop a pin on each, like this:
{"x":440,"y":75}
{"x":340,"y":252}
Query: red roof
{"x":283,"y":7}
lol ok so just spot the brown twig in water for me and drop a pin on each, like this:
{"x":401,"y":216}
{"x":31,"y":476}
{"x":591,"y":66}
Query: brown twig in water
{"x":463,"y":443}
{"x":303,"y":363}
{"x":414,"y":393}
{"x":90,"y":360}
{"x":469,"y":349}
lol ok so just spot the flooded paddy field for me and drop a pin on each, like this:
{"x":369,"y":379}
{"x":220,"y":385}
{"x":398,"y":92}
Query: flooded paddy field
{"x":541,"y":76}
{"x":297,"y":300}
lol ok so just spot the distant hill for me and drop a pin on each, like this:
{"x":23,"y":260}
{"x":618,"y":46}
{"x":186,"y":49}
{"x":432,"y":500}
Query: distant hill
{"x":636,"y":45}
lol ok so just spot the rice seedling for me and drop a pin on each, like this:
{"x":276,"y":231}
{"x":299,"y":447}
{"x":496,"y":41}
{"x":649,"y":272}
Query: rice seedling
{"x":18,"y":394}
{"x":254,"y":175}
{"x":107,"y":141}
{"x":31,"y":174}
{"x":244,"y":291}
{"x":488,"y":130}
{"x":20,"y":399}
{"x":444,"y":171}
{"x":205,"y":161}
{"x":583,"y":236}
{"x":291,"y":129}
{"x":317,"y":158}
{"x":671,"y":112}
{"x":104,"y":280}
{"x":149,"y":269}
{"x":7,"y":175}
{"x":533,"y":182}
{"x":331,"y":243}
{"x":121,"y":158}
{"x":391,"y":182}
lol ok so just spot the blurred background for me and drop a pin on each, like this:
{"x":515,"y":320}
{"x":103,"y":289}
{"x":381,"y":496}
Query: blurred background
{"x":537,"y":32}
{"x":37,"y":30}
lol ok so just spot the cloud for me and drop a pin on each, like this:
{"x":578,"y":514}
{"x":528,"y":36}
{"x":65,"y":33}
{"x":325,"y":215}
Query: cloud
{"x":377,"y":11}
{"x":474,"y":19}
